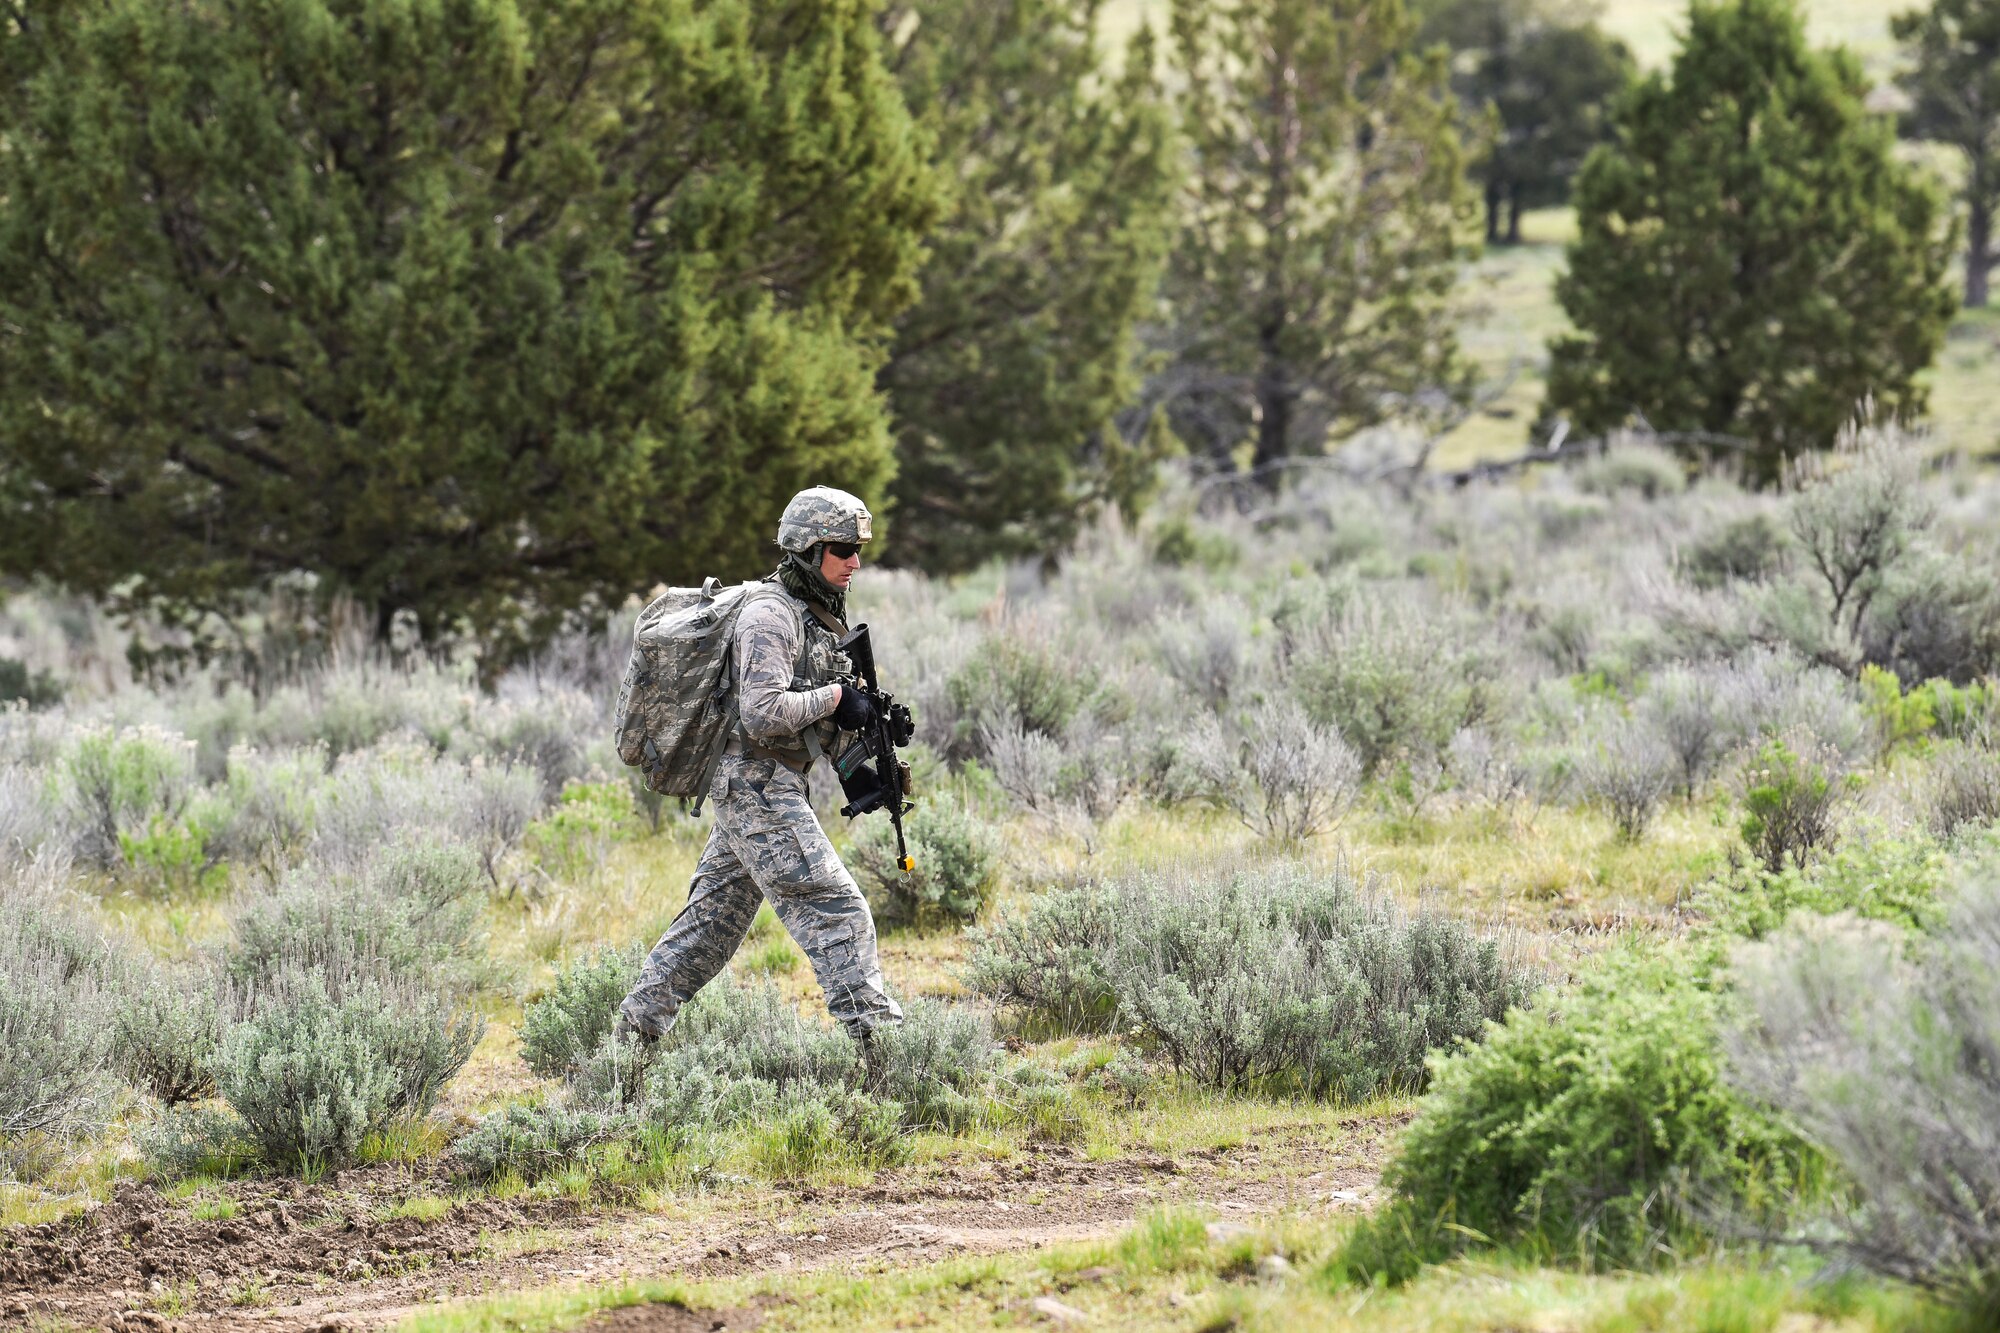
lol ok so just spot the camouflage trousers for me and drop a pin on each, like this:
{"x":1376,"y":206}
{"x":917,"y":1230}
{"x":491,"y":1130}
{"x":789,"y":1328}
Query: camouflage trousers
{"x":766,"y":843}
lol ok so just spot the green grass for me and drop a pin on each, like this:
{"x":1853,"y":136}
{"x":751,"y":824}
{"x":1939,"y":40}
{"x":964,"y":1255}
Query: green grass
{"x":1650,"y":27}
{"x":1167,"y":1272}
{"x":422,"y":1207}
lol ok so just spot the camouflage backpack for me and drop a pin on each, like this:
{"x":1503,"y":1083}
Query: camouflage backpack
{"x":677,"y":704}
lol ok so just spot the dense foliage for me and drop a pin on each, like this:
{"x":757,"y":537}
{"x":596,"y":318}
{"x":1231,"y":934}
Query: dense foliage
{"x":1753,"y":260}
{"x":471,"y":309}
{"x":1005,"y":376}
{"x":1548,"y":77}
{"x":1322,"y":227}
{"x":1954,"y":89}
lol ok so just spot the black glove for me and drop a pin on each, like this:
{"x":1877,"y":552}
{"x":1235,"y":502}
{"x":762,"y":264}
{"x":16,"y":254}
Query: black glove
{"x":855,"y":711}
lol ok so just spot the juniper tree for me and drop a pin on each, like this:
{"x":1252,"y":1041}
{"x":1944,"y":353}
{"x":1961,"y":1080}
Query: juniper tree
{"x":474,"y":307}
{"x":1752,"y":260}
{"x":1954,"y":90}
{"x":1322,"y":225}
{"x":1005,"y":376}
{"x":1548,"y":76}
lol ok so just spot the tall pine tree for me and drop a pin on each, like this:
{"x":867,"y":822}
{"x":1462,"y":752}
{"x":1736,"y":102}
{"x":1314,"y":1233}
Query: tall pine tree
{"x":1954,"y":90}
{"x":478,"y":308}
{"x":1752,"y":261}
{"x":1324,"y":221}
{"x":1005,"y":376}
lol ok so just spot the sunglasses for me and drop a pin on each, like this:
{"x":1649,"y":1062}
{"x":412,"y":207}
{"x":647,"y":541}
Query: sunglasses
{"x":843,"y":550}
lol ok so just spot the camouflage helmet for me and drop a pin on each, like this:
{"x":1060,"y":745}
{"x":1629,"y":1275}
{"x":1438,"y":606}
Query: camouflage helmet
{"x":823,"y":514}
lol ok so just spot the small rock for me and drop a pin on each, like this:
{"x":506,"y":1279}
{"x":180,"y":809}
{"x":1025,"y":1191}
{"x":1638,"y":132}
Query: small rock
{"x":782,"y":1259}
{"x":1056,"y":1312}
{"x":1223,"y":1233}
{"x":819,"y":1240}
{"x":1274,"y":1267}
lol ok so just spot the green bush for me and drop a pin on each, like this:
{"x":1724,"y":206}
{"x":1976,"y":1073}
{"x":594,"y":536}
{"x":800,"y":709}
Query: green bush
{"x":567,"y":1022}
{"x":1791,"y":791}
{"x":569,"y":842}
{"x":326,"y":1056}
{"x":1582,"y":1131}
{"x":1900,"y":880}
{"x":957,"y":868}
{"x":36,"y":689}
{"x":131,"y":783}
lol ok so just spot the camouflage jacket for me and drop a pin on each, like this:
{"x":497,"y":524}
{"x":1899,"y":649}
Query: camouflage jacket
{"x":787,"y":670}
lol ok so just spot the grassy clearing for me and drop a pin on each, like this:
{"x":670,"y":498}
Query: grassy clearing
{"x":1177,"y":1270}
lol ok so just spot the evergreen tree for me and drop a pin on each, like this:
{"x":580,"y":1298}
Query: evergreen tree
{"x":1327,"y":204}
{"x":479,"y":308}
{"x":1954,"y":89}
{"x":1004,"y":377}
{"x":1752,"y":261}
{"x":1548,"y":77}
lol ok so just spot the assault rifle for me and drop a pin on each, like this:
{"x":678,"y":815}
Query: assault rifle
{"x":871,"y":776}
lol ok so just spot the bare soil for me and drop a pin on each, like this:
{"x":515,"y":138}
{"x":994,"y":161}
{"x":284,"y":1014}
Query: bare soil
{"x":322,"y":1257}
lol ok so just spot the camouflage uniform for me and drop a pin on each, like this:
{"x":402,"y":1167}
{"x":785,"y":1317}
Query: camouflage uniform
{"x":766,"y":842}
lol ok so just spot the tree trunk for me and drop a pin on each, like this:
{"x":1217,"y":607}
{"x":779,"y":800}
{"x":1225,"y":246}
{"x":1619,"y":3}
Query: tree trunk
{"x":1493,"y":212}
{"x":1978,"y":254}
{"x":1514,"y":213}
{"x":1274,"y":417}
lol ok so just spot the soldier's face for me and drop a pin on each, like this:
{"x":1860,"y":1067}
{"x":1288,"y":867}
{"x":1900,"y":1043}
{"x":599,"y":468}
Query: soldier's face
{"x":836,"y":568}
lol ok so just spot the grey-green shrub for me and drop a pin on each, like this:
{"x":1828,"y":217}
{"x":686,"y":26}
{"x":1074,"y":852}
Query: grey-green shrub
{"x":1751,"y":548}
{"x":1390,"y":674}
{"x":1050,"y":961}
{"x":54,"y":1036}
{"x":415,"y":910}
{"x":1581,"y":1131}
{"x":273,"y":802}
{"x":1294,"y":978}
{"x":957,"y":865}
{"x":384,"y":794}
{"x":1885,"y":1057}
{"x":1278,"y":772}
{"x":326,"y":1055}
{"x":1630,"y":768}
{"x":567,"y":1022}
{"x":1962,"y":788}
{"x":1283,"y":976}
{"x":166,"y":1023}
{"x":191,"y":1139}
{"x":937,"y":1063}
{"x":537,"y":1138}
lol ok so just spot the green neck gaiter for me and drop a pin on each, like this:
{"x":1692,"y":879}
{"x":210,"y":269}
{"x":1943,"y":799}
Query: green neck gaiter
{"x":803,"y":581}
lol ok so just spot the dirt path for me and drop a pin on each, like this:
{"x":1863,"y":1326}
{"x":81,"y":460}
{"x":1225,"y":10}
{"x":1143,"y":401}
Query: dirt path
{"x":323,"y":1258}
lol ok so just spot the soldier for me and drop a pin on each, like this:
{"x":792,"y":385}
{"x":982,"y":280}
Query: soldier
{"x":766,"y":842}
